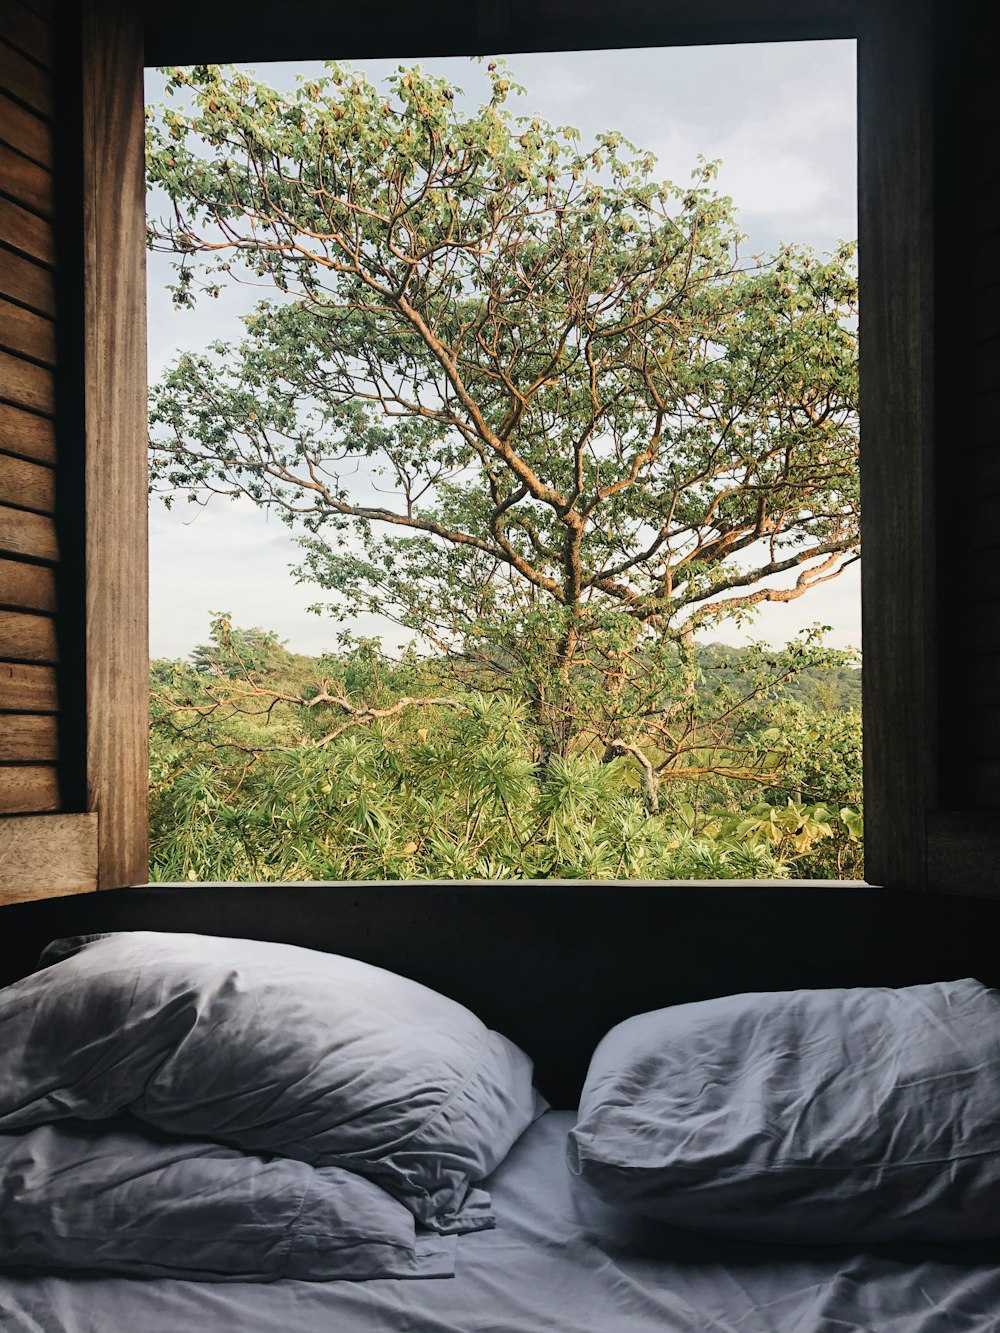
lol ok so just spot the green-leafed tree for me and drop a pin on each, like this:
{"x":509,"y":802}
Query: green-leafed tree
{"x":343,"y":767}
{"x":519,"y":395}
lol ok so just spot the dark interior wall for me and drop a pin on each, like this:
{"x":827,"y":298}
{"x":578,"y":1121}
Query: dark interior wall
{"x":553,"y":966}
{"x":968,"y":397}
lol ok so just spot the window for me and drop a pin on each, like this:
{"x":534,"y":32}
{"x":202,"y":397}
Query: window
{"x":897,"y":63}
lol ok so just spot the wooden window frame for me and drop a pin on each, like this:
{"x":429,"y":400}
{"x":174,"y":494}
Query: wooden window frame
{"x":896,"y":233}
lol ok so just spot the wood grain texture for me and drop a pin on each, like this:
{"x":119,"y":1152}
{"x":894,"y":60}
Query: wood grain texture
{"x":25,"y":131}
{"x":116,"y":470}
{"x":897,"y":441}
{"x":28,"y":789}
{"x":27,"y":31}
{"x":28,"y":638}
{"x":26,"y":281}
{"x":47,"y":856}
{"x":27,"y":434}
{"x":25,"y":181}
{"x":29,"y":485}
{"x":28,"y":689}
{"x":26,"y":587}
{"x":25,"y":80}
{"x":27,"y":333}
{"x":33,"y":536}
{"x":28,"y":738}
{"x":26,"y":232}
{"x":23,"y":384}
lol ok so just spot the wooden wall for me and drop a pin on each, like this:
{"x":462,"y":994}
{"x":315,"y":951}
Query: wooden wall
{"x":29,"y":544}
{"x":73,"y":641}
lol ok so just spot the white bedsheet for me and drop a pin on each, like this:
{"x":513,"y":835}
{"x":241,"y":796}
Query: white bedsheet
{"x":558,"y":1262}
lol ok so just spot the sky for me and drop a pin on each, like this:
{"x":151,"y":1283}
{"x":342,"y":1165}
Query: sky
{"x":780,"y":116}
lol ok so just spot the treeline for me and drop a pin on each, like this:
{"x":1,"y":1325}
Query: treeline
{"x":272,"y":765}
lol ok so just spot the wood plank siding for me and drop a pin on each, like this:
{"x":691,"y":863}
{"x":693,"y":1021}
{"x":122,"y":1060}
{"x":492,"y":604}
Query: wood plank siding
{"x":29,"y":540}
{"x":41,"y":549}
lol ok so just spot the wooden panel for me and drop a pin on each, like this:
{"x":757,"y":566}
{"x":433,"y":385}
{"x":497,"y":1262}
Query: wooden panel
{"x":178,"y":34}
{"x":28,"y":789}
{"x":25,"y":131}
{"x":28,"y":688}
{"x":30,"y":485}
{"x":23,"y":79}
{"x":27,"y":333}
{"x":28,"y":738}
{"x":25,"y":181}
{"x":117,"y":708}
{"x":47,"y":856}
{"x":897,"y":424}
{"x":26,"y":30}
{"x":26,"y":231}
{"x":28,"y":638}
{"x":26,"y":385}
{"x":27,"y":587}
{"x":26,"y":434}
{"x":26,"y":534}
{"x":25,"y":281}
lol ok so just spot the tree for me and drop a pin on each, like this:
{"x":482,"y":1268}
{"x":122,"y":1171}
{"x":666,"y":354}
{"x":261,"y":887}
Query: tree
{"x":521,"y":396}
{"x":258,"y":774}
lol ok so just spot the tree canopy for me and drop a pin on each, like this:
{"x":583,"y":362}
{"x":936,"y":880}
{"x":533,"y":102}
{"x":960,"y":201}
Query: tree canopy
{"x":518,"y":394}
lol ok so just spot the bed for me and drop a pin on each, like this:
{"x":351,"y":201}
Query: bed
{"x":558,"y":1262}
{"x":559,"y":1258}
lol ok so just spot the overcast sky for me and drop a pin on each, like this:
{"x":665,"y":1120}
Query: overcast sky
{"x":781,"y":116}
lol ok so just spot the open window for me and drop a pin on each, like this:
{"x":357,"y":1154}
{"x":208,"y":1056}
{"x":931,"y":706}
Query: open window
{"x":84,"y":393}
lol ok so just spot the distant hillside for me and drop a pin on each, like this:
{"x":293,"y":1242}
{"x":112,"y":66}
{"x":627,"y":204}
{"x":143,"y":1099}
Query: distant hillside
{"x":837,"y":689}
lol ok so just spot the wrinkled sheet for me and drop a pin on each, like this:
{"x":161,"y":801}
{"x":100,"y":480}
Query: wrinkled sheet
{"x":559,"y":1261}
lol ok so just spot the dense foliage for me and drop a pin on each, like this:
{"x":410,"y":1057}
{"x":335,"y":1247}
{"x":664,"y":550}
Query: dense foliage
{"x":531,"y":402}
{"x":271,"y":766}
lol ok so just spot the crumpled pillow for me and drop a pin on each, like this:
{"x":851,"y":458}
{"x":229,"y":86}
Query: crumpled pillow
{"x":123,"y":1197}
{"x":273,"y":1049}
{"x":821,"y":1116}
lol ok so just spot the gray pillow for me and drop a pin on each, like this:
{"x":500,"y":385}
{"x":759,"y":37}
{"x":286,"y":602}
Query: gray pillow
{"x":815,"y":1116}
{"x":123,"y":1197}
{"x":275,"y":1049}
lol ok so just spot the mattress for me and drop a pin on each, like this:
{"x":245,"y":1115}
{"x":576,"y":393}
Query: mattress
{"x":558,"y":1262}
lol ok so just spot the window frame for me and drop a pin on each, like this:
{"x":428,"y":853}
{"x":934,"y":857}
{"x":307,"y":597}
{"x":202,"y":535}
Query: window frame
{"x":895,"y":165}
